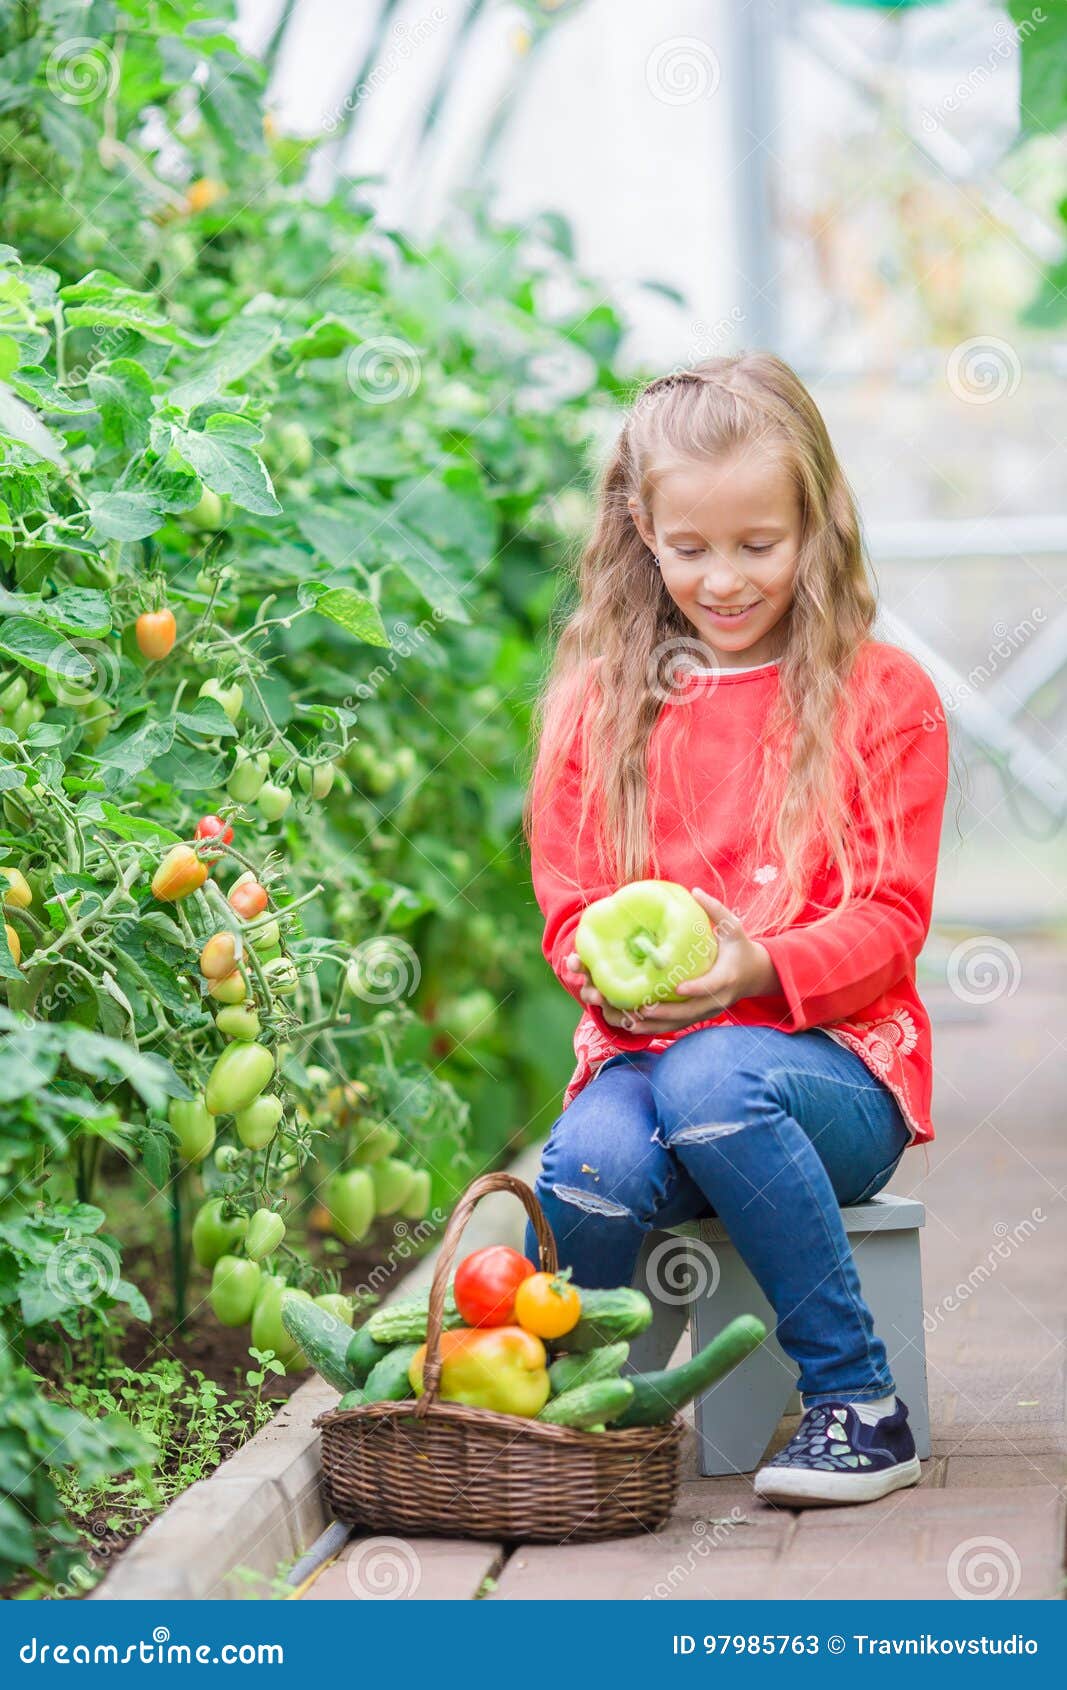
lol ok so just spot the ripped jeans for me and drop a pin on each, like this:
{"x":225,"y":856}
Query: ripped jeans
{"x":770,"y":1131}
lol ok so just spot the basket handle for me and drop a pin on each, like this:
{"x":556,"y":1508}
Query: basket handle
{"x":461,"y":1214}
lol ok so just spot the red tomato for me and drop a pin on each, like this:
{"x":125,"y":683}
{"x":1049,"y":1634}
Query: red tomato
{"x":486,"y":1283}
{"x":213,"y":827}
{"x":247,"y":897}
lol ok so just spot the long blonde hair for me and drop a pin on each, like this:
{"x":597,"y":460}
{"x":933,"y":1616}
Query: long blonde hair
{"x":816,"y":798}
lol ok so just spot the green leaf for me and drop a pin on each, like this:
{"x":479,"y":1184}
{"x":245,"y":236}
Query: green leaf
{"x":18,"y":422}
{"x":228,"y":468}
{"x":9,"y":968}
{"x":358,"y":615}
{"x":80,"y":611}
{"x":243,"y":343}
{"x":100,"y":300}
{"x":136,"y":827}
{"x":232,"y":104}
{"x":152,"y":1077}
{"x":41,"y":390}
{"x":125,"y":516}
{"x":44,"y":650}
{"x":209,"y":718}
{"x":1043,"y":56}
{"x":135,"y":752}
{"x":122,"y":393}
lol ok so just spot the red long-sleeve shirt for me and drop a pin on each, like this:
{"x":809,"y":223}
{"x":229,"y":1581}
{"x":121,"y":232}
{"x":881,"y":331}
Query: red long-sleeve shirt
{"x":852,"y":972}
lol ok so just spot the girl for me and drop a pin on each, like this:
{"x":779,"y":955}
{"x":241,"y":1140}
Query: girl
{"x":718,"y":714}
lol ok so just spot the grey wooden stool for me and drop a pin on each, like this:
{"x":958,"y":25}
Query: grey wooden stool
{"x":693,"y":1272}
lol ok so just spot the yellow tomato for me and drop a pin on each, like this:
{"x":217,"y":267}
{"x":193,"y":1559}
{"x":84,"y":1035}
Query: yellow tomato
{"x":547,"y":1305}
{"x":16,"y":888}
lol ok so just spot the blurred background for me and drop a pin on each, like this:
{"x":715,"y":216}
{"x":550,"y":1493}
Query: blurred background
{"x":853,"y":185}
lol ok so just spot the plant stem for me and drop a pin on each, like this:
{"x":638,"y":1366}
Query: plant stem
{"x":177,"y":1252}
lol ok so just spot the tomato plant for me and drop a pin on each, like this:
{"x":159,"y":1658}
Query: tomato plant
{"x":235,"y":586}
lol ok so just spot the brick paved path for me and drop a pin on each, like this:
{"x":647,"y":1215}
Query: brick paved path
{"x":988,"y":1516}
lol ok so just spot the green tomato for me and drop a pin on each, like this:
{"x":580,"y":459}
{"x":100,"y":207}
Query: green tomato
{"x":316,"y":779}
{"x":237,"y":1021}
{"x":257,"y":1124}
{"x":231,"y":698}
{"x":215,"y":1235}
{"x":375,"y":772}
{"x":295,"y":450}
{"x":335,"y":1303}
{"x":265,"y":1232}
{"x":281,"y":976}
{"x":472,"y":1015}
{"x":268,"y":1333}
{"x":350,"y":1201}
{"x":238,"y":1077}
{"x":643,"y":941}
{"x":234,"y":1288}
{"x":392,"y":1183}
{"x":227,"y":1158}
{"x":265,"y":938}
{"x":374,"y":1141}
{"x":247,"y":776}
{"x":405,"y":762}
{"x":13,"y":694}
{"x":273,"y":801}
{"x":97,"y":720}
{"x":194,"y":1126}
{"x":29,"y":711}
{"x":207,"y":513}
{"x":416,"y":1205}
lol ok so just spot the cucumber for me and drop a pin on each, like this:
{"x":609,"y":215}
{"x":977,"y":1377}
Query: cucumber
{"x":607,"y":1316}
{"x":402,"y":1323}
{"x":352,"y":1399}
{"x":362,"y":1353}
{"x":323,"y":1338}
{"x":589,"y":1405}
{"x":658,"y":1396}
{"x":388,"y":1379}
{"x":603,"y":1363}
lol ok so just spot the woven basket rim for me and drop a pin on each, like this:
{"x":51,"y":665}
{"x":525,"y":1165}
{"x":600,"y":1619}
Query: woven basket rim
{"x":518,"y":1425}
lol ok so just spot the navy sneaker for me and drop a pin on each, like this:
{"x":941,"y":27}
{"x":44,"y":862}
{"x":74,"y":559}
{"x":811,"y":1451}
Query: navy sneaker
{"x":834,"y":1458}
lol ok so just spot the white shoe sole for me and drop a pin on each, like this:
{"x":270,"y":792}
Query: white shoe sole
{"x":806,"y":1487}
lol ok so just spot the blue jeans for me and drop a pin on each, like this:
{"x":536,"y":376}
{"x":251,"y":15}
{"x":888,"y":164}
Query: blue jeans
{"x":770,"y":1131}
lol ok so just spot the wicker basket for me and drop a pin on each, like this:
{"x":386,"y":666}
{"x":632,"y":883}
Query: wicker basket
{"x":440,"y":1467}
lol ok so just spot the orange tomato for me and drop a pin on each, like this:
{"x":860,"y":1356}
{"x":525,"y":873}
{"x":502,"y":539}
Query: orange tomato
{"x":547,"y":1305}
{"x":156,"y":632}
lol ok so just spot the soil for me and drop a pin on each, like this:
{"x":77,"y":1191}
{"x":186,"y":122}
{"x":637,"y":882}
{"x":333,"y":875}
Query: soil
{"x":218,"y":1352}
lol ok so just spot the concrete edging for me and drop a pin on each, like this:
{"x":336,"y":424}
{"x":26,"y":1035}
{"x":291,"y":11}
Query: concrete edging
{"x":227,"y":1536}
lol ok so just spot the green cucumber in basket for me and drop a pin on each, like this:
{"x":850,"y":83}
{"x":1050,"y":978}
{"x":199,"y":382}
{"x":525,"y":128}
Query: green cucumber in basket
{"x":323,"y":1338}
{"x":658,"y":1396}
{"x":388,"y":1379}
{"x":603,"y":1363}
{"x":352,"y":1399}
{"x":362,"y":1354}
{"x":589,"y":1405}
{"x":607,"y":1316}
{"x":405,"y":1323}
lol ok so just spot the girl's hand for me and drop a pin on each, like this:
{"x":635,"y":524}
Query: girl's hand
{"x":742,"y":969}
